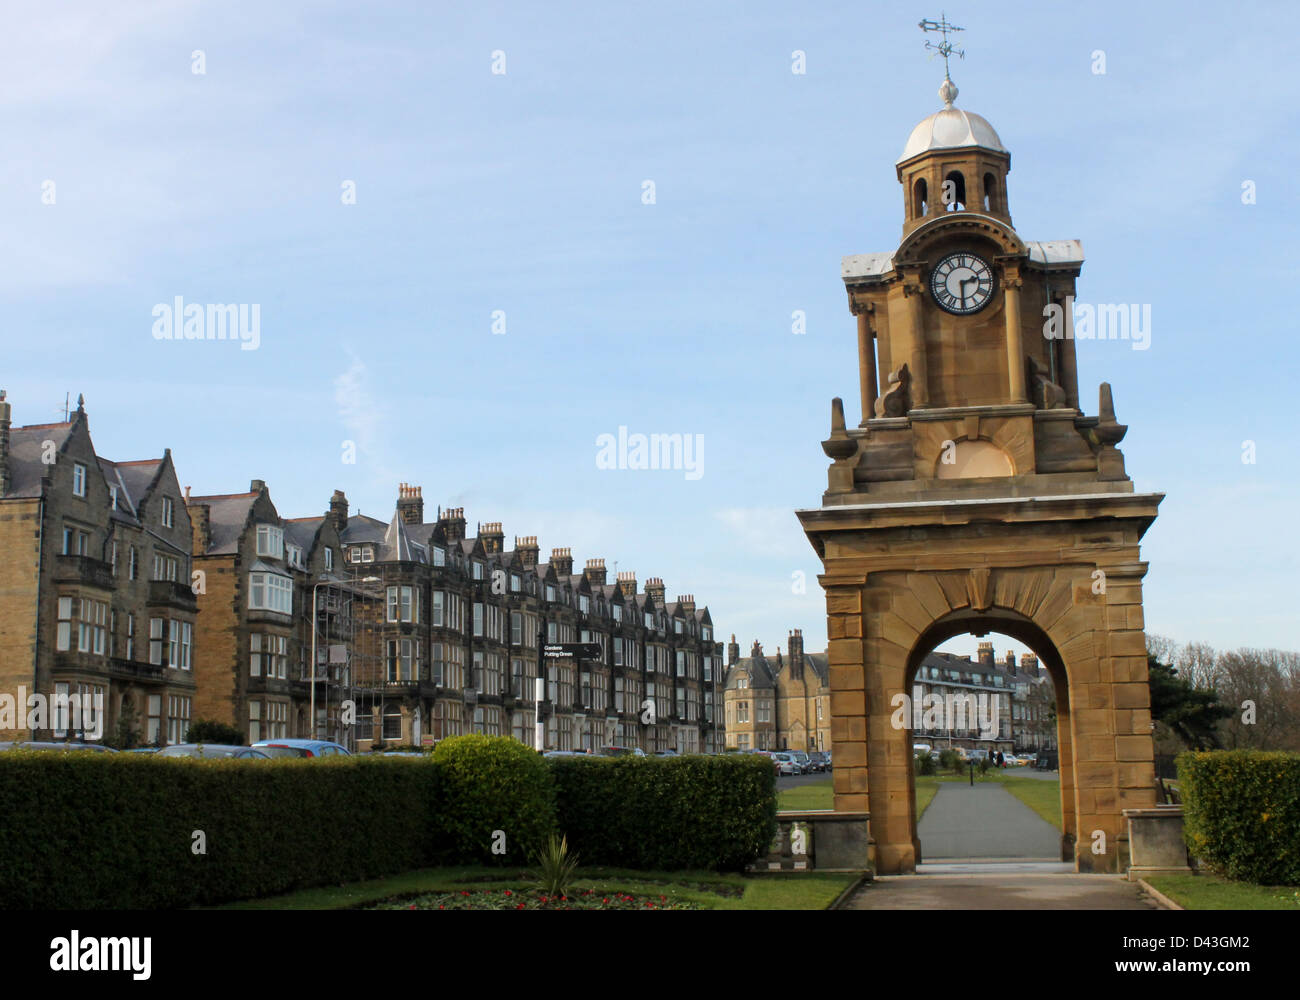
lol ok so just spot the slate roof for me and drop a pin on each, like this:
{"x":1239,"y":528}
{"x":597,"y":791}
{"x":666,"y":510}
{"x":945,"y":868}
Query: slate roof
{"x":25,"y":447}
{"x":227,"y":515}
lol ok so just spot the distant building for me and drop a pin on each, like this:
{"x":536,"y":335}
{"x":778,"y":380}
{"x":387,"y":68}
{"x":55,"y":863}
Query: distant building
{"x":779,"y":701}
{"x":775,"y":701}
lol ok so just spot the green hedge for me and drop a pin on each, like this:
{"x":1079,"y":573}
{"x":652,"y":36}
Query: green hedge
{"x":1241,"y":813}
{"x":116,"y":831}
{"x":495,"y":802}
{"x":89,"y":830}
{"x":667,"y":813}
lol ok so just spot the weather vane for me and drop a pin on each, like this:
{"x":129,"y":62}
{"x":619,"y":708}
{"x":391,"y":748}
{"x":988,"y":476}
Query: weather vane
{"x":944,"y":48}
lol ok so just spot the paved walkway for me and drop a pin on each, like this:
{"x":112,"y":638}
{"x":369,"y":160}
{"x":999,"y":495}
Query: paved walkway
{"x":984,"y":821}
{"x":999,"y":890}
{"x":986,"y":850}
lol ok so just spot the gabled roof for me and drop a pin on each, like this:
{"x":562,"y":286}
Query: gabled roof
{"x":398,"y":545}
{"x":760,"y":671}
{"x":303,"y":531}
{"x":227,"y":518}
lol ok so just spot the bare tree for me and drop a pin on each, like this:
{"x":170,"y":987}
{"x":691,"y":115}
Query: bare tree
{"x":1263,"y":686}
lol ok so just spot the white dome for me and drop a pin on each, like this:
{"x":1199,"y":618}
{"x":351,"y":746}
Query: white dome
{"x":951,"y":128}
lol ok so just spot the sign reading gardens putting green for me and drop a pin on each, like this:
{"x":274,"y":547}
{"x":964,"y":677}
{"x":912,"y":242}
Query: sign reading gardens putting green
{"x":575,"y":650}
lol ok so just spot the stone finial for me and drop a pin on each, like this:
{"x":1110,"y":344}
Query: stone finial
{"x":839,"y":445}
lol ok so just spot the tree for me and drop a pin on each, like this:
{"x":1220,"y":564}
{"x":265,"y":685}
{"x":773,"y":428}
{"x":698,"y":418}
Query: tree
{"x":1192,"y":713}
{"x":127,"y":735}
{"x":1263,"y":688}
{"x":210,"y":731}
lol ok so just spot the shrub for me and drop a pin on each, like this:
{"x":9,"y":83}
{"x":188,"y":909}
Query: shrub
{"x":119,"y":830}
{"x":555,"y":866}
{"x":209,"y":731}
{"x":667,"y":812}
{"x":1241,"y":813}
{"x":926,"y":763}
{"x":951,"y":760}
{"x":488,"y":784}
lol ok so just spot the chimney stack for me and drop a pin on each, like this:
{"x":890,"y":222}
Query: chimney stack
{"x":655,"y":588}
{"x":733,"y":650}
{"x":339,"y":511}
{"x":757,"y":651}
{"x":1029,"y":664}
{"x":796,"y":653}
{"x":627,"y":583}
{"x":257,"y":486}
{"x":595,"y":572}
{"x":200,"y":525}
{"x":6,"y":416}
{"x":453,"y":524}
{"x":687,"y":601}
{"x":527,"y":549}
{"x":986,"y":655}
{"x":410,"y":504}
{"x":1011,"y":662}
{"x":492,"y":537}
{"x":562,"y":562}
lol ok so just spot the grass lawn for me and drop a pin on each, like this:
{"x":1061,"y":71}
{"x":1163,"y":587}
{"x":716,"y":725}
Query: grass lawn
{"x":694,"y":890}
{"x":1211,"y":892}
{"x":820,"y":795}
{"x":1043,"y":797}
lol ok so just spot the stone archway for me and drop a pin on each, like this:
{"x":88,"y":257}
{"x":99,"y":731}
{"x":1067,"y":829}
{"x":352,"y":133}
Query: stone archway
{"x":1023,"y":629}
{"x":1059,"y":573}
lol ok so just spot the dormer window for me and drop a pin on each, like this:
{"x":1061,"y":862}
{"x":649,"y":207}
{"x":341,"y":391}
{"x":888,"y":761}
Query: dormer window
{"x":478,"y":570}
{"x":78,"y":480}
{"x":295,"y":557}
{"x":617,"y":610}
{"x":166,"y":509}
{"x":439,"y":556}
{"x":584,"y":604}
{"x":270,"y":541}
{"x":329,"y":558}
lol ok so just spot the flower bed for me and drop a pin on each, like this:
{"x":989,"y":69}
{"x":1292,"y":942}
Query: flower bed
{"x":532,"y":899}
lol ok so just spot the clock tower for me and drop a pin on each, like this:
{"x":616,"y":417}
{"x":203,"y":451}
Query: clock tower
{"x":975,"y":496}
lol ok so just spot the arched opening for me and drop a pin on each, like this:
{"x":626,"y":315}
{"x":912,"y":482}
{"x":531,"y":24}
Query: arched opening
{"x":969,"y":702}
{"x":990,"y":193}
{"x":920,"y":199}
{"x":954,"y":191}
{"x":973,"y":460}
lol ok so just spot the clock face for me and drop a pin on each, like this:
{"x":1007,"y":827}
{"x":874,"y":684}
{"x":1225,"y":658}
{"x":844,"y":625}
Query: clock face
{"x":962,"y":283}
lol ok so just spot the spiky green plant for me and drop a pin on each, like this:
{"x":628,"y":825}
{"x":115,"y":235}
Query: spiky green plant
{"x":555,"y":867}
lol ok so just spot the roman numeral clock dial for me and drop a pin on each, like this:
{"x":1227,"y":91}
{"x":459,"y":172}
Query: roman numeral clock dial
{"x":962,"y":283}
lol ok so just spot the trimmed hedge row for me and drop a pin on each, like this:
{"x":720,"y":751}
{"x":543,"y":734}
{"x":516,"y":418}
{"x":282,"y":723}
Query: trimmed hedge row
{"x":123,"y":831}
{"x":1241,"y":813}
{"x":667,"y":813}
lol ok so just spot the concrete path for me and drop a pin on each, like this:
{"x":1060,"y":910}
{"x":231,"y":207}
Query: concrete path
{"x":986,"y":850}
{"x":999,"y":890}
{"x":984,"y":821}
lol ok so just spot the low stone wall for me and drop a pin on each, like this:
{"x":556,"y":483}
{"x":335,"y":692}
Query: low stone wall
{"x":819,"y":840}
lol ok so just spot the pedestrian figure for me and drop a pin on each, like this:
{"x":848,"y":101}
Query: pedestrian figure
{"x":1002,"y":761}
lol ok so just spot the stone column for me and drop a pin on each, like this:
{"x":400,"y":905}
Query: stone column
{"x":848,"y":693}
{"x":1069,"y":362}
{"x":916,"y":360}
{"x":1011,"y":282}
{"x":867,"y":365}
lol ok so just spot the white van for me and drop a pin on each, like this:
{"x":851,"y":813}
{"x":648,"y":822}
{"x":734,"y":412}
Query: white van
{"x":920,"y":748}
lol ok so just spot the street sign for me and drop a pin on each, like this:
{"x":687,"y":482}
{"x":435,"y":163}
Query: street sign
{"x":580,"y":650}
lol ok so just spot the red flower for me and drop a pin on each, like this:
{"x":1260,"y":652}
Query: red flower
{"x":520,"y":906}
{"x":564,"y":898}
{"x":605,"y":900}
{"x":411,"y":907}
{"x":508,"y":892}
{"x":441,"y":907}
{"x":662,"y":898}
{"x":464,"y":892}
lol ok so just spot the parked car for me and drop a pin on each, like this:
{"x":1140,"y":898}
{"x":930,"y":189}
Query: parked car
{"x":666,"y":753}
{"x":804,"y":761}
{"x":212,"y":751}
{"x":566,"y":753}
{"x":786,"y":764}
{"x":613,"y":751}
{"x":308,"y":748}
{"x":920,"y":748}
{"x":55,"y":745}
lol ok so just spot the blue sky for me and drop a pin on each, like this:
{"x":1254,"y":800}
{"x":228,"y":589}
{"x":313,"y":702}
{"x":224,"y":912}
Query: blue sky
{"x":522,"y":192}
